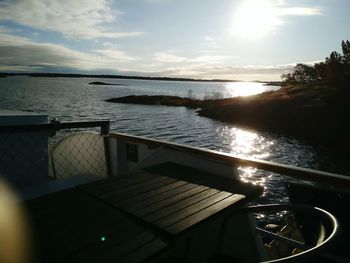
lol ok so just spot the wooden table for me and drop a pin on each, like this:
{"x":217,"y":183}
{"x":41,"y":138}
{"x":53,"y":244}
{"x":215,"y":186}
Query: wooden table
{"x":170,"y":197}
{"x":129,"y":219}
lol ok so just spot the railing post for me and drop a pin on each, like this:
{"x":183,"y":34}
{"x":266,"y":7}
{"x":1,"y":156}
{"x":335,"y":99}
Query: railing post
{"x":55,"y":126}
{"x":105,"y":130}
{"x":105,"y":127}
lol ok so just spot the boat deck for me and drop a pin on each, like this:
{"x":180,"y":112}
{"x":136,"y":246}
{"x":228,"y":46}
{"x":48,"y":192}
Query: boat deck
{"x":132,"y":218}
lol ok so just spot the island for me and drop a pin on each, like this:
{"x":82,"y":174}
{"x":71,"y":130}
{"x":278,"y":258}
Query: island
{"x":104,"y":83}
{"x":159,"y":100}
{"x":308,"y":111}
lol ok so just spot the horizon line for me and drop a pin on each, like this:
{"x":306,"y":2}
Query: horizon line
{"x":82,"y":75}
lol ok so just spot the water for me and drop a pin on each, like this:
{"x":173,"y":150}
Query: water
{"x":71,"y":99}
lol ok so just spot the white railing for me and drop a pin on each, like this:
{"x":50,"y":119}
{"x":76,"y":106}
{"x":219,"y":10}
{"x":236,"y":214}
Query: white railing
{"x":338,"y":181}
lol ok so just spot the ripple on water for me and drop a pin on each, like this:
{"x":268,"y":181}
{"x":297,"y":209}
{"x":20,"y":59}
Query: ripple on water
{"x":55,"y":96}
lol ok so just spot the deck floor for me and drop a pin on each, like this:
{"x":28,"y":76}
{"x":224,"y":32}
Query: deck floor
{"x":71,"y":226}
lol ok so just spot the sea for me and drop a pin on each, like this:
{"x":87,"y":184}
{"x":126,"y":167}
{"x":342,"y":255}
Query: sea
{"x":74,"y":99}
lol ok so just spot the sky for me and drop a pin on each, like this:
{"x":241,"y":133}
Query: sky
{"x":207,"y":39}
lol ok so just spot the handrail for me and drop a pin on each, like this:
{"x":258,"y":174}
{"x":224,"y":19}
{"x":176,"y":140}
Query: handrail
{"x":330,"y":179}
{"x":342,"y":182}
{"x":55,"y":125}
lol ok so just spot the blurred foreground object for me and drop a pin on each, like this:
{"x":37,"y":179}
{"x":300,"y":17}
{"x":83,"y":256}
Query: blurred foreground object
{"x":13,"y":228}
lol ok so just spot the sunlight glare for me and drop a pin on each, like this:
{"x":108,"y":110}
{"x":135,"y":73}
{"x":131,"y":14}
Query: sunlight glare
{"x":255,"y":18}
{"x":244,"y":88}
{"x":247,"y":143}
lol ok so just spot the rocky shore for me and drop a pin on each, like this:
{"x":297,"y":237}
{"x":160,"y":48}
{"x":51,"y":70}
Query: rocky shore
{"x":159,"y":100}
{"x":318,"y":113}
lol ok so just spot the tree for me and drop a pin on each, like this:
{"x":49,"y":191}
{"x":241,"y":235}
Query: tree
{"x":303,"y":74}
{"x":335,"y":69}
{"x":287,"y":78}
{"x":345,"y":46}
{"x":346,"y":59}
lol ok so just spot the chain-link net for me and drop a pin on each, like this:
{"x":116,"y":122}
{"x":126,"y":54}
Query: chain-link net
{"x":24,"y":156}
{"x":34,"y":154}
{"x":77,"y":151}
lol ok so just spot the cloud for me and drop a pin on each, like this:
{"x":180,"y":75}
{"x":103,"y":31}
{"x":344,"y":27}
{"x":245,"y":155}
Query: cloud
{"x":3,"y":29}
{"x":211,"y":59}
{"x":267,"y":73}
{"x":115,"y":55}
{"x":298,"y":11}
{"x":22,"y":54}
{"x":19,"y":53}
{"x":170,"y":57}
{"x":250,"y":72}
{"x":208,"y":38}
{"x":83,"y":19}
{"x":258,"y":17}
{"x":211,"y":67}
{"x":15,"y":68}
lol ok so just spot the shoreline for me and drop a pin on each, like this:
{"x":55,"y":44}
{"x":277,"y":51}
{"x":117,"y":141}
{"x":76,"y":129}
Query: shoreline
{"x":109,"y":76}
{"x":316,"y":113}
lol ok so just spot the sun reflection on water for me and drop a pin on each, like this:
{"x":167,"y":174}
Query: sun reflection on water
{"x":247,"y":144}
{"x":236,"y":89}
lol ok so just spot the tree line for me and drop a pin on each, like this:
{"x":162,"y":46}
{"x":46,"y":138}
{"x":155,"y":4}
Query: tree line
{"x":335,"y":69}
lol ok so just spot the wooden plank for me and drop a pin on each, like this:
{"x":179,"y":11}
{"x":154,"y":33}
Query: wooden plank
{"x":179,"y":205}
{"x":169,"y":201}
{"x":161,"y":196}
{"x":196,"y":176}
{"x":192,"y":209}
{"x":203,"y":214}
{"x":133,"y":185}
{"x":154,"y":192}
{"x":181,"y":172}
{"x":111,"y":184}
{"x":117,"y":196}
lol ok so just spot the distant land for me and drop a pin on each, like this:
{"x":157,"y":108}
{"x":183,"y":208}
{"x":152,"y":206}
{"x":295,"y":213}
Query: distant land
{"x":316,"y":112}
{"x":66,"y":75}
{"x":104,"y":83}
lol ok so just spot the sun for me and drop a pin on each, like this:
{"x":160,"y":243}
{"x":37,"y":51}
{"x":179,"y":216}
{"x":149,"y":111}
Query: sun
{"x":255,"y":18}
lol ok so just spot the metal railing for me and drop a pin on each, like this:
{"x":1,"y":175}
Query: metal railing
{"x":16,"y":147}
{"x":55,"y":126}
{"x":326,"y":178}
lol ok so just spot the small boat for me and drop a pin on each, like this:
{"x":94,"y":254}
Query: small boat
{"x":85,"y":194}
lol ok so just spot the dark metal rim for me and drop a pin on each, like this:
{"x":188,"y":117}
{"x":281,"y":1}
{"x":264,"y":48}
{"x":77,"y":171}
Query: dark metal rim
{"x":314,"y":251}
